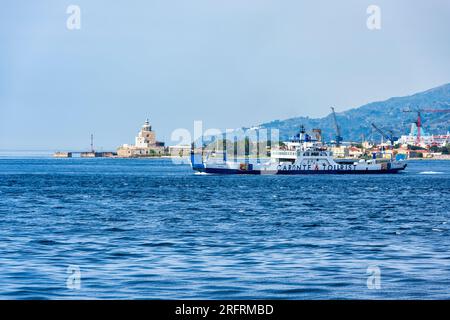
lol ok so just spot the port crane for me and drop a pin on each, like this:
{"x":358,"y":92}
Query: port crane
{"x":390,"y":137}
{"x":419,"y":119}
{"x":338,"y":129}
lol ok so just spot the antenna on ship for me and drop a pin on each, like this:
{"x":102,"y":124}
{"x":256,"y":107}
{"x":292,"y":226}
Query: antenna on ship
{"x":302,"y":129}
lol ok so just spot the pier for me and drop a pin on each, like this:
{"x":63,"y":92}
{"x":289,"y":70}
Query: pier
{"x":85,"y":154}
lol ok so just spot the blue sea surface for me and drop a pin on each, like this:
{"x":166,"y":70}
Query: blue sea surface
{"x":150,"y":229}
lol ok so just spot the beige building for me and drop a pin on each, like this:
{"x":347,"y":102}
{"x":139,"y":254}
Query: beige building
{"x":59,"y":154}
{"x":180,"y":150}
{"x":146,"y":138}
{"x":340,"y":152}
{"x":145,"y":145}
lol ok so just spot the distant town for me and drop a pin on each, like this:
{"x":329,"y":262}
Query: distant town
{"x":416,"y":145}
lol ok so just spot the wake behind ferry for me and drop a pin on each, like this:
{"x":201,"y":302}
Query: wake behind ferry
{"x":303,"y":156}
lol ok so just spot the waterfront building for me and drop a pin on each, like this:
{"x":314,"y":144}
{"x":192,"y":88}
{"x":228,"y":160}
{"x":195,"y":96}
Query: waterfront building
{"x":146,"y":138}
{"x":355,"y":152}
{"x":425,"y":139}
{"x":180,"y":150}
{"x":340,"y":151}
{"x":145,"y":145}
{"x":95,"y":154}
{"x":59,"y":154}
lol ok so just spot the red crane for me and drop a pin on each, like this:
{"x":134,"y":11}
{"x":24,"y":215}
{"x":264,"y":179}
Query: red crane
{"x":419,"y":120}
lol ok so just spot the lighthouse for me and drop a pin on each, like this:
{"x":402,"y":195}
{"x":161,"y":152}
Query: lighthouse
{"x":145,"y":144}
{"x":146,"y":138}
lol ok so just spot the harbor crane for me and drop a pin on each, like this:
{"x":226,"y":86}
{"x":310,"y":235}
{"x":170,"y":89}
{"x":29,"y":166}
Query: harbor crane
{"x":338,"y":129}
{"x":419,"y":119}
{"x":390,"y":137}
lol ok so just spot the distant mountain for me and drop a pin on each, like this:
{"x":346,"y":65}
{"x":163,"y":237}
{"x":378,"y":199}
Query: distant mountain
{"x":387,"y":115}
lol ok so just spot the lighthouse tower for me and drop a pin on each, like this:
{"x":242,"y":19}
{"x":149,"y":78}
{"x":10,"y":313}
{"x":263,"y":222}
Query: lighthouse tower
{"x":146,"y":138}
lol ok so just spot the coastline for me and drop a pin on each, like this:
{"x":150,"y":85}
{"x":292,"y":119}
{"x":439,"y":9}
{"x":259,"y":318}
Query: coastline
{"x":50,"y":154}
{"x":422,"y":159}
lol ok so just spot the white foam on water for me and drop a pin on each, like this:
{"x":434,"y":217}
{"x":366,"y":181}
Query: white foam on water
{"x":431,"y":172}
{"x":201,"y":173}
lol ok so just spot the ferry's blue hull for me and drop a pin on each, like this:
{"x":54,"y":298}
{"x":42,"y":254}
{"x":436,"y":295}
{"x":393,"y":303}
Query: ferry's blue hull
{"x":290,"y":172}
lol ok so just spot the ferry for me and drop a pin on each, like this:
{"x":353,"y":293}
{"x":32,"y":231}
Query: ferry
{"x":303,"y":156}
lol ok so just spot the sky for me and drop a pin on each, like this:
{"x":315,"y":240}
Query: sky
{"x":228,"y":63}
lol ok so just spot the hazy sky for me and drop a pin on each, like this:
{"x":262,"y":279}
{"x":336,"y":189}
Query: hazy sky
{"x":230,"y":63}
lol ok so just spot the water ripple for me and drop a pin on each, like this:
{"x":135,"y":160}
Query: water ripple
{"x":149,"y":229}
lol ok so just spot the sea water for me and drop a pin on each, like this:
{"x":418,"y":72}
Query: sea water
{"x":148,"y":228}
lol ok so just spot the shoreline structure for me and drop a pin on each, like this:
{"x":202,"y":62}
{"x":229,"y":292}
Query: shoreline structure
{"x":147,"y":146}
